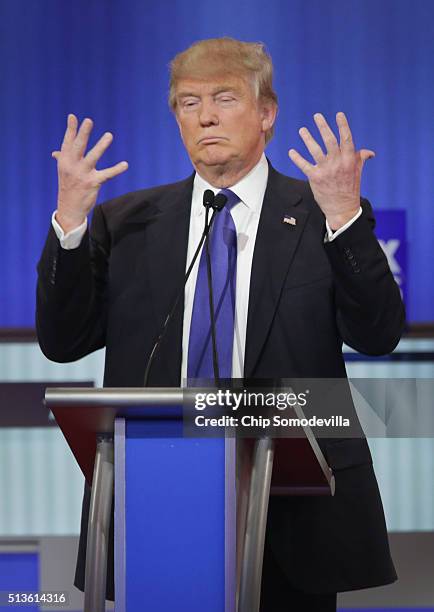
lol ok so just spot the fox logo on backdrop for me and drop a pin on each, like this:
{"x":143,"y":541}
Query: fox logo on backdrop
{"x":391,"y":233}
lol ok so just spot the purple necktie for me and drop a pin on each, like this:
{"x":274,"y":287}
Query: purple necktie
{"x":223,"y":255}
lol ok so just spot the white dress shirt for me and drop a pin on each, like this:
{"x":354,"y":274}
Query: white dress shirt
{"x":250,"y":189}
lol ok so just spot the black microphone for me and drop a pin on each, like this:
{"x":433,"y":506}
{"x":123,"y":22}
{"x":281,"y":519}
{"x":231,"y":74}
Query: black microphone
{"x":208,"y":198}
{"x":219,"y":202}
{"x":209,"y":201}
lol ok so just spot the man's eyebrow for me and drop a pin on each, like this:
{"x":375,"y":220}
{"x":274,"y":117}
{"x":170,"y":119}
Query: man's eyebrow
{"x":225,"y":89}
{"x":187,"y":94}
{"x":214,"y":92}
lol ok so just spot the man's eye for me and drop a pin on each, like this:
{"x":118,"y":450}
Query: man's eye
{"x":190,"y":103}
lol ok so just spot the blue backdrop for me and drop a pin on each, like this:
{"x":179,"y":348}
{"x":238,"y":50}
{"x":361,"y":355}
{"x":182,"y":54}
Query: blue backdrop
{"x":108,"y":59}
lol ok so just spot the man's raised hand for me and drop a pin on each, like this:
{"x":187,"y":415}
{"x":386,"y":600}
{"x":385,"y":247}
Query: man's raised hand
{"x":335,"y":179}
{"x":79,"y":180}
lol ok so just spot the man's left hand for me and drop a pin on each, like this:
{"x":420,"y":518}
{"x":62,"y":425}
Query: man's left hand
{"x":335,"y":179}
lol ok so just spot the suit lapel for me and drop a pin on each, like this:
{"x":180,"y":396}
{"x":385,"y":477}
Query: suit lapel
{"x":275,"y":247}
{"x":165,"y":240}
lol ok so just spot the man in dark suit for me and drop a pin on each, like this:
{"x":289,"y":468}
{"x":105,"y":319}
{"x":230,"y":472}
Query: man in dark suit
{"x":302,"y":288}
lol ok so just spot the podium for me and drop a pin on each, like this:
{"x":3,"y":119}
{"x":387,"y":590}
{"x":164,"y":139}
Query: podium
{"x":190,"y":513}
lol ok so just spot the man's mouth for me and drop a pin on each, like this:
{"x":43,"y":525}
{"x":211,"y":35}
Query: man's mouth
{"x":211,"y":140}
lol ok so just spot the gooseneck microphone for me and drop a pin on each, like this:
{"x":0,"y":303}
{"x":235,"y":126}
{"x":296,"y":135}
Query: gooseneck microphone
{"x":215,"y":362}
{"x":209,"y":201}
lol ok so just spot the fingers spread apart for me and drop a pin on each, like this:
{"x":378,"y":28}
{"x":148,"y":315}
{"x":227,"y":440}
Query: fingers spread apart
{"x":300,"y":162}
{"x":108,"y":173}
{"x":71,"y":131}
{"x":311,"y":145}
{"x":346,"y":138}
{"x":82,"y":138}
{"x":97,"y":151}
{"x":330,"y":142}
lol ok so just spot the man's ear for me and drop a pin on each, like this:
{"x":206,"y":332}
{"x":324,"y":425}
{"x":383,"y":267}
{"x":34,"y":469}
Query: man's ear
{"x":268,"y":114}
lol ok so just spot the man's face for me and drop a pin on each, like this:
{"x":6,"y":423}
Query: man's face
{"x":221,"y":122}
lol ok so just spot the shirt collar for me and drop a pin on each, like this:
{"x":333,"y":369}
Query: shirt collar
{"x":250,"y":189}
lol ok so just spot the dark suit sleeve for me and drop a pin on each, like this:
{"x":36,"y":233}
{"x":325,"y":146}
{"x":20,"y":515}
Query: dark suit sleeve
{"x":71,"y":294}
{"x":370,"y":312}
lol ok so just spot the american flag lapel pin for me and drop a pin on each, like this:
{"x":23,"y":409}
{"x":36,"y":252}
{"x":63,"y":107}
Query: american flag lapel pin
{"x":290,"y":220}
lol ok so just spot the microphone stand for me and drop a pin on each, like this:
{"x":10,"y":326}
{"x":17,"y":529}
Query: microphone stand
{"x":215,"y":362}
{"x":209,"y":201}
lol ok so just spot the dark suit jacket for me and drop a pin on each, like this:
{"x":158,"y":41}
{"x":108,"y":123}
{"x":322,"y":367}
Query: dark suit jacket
{"x":306,"y":298}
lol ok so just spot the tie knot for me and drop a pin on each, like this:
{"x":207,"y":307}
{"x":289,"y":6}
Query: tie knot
{"x":232,"y":198}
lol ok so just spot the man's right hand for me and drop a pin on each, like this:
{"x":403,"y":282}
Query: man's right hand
{"x":79,"y":180}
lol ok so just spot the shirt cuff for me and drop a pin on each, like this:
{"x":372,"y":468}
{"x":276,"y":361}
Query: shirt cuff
{"x":70,"y":240}
{"x":331,"y":235}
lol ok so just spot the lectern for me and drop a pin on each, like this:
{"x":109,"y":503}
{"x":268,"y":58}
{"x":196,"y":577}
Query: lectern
{"x":190,"y":513}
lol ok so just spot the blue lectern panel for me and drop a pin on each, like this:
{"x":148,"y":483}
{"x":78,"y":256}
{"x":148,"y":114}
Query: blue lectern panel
{"x":175,"y":513}
{"x":19,"y":574}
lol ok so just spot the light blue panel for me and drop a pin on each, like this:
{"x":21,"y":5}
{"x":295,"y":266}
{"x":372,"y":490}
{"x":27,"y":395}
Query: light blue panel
{"x":404,"y":466}
{"x":25,"y":362}
{"x":175,"y":536}
{"x":41,"y":484}
{"x":391,"y":369}
{"x":405,"y":473}
{"x":37,"y":469}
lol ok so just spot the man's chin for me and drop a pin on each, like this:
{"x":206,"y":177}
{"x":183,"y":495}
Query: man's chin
{"x":214,"y":158}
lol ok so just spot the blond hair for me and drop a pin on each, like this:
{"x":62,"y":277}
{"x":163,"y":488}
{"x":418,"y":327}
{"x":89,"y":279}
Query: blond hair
{"x":217,"y":56}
